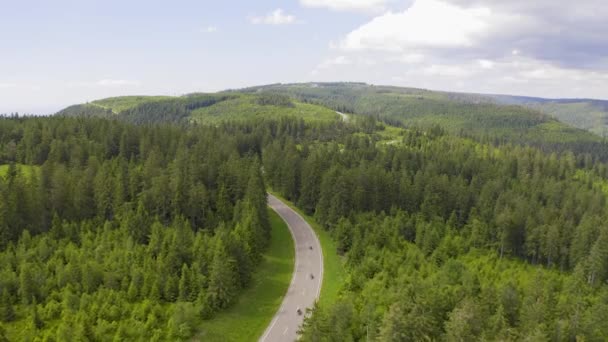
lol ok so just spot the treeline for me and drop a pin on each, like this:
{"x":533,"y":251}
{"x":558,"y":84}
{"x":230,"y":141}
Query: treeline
{"x":481,"y":120}
{"x":174,"y":111}
{"x":280,"y":100}
{"x":432,"y":230}
{"x":168,"y":111}
{"x":116,"y":231}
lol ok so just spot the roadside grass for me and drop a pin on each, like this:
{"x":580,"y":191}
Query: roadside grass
{"x":247,"y":319}
{"x":333,"y":266}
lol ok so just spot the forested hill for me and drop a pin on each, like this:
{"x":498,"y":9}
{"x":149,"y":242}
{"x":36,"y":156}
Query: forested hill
{"x":472,"y":115}
{"x":116,"y":231}
{"x":588,"y":114}
{"x":487,"y":118}
{"x":201,"y":108}
{"x":446,"y":239}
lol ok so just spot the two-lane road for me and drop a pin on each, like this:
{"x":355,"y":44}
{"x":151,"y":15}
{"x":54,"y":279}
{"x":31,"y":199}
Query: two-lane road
{"x":303,"y":290}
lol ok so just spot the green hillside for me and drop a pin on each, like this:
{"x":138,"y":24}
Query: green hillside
{"x":121,"y":103}
{"x":202,"y":108}
{"x":159,"y":231}
{"x":464,"y":114}
{"x":584,"y":114}
{"x":249,"y":107}
{"x":588,"y":114}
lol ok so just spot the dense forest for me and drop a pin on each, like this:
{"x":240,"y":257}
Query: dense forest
{"x":448,"y":239}
{"x":115,"y":231}
{"x":475,"y":116}
{"x":125,"y":220}
{"x":201,"y":108}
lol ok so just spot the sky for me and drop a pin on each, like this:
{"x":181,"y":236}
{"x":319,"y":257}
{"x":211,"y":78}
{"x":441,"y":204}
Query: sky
{"x":54,"y":53}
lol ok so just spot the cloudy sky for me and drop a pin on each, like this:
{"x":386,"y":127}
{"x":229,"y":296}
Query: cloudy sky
{"x":56,"y":53}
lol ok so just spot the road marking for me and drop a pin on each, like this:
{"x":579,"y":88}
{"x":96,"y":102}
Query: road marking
{"x":285,"y":331}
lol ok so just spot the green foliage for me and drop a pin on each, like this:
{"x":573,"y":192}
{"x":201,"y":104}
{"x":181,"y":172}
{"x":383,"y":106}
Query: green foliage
{"x":585,"y":114}
{"x":258,"y":107}
{"x":145,"y":109}
{"x":487,"y":223}
{"x":117,"y":235}
{"x":280,"y":100}
{"x":247,"y":319}
{"x":87,"y":110}
{"x":122,"y":103}
{"x":26,"y":170}
{"x":209,"y":109}
{"x":464,"y":114}
{"x":582,"y":113}
{"x":440,"y":233}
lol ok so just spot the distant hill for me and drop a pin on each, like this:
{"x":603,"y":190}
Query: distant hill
{"x":201,"y":108}
{"x":552,"y":125}
{"x":476,"y":115}
{"x":588,"y":114}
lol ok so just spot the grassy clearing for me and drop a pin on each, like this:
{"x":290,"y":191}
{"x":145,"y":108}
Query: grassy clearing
{"x":333,"y":268}
{"x":249,"y":317}
{"x":246,"y":107}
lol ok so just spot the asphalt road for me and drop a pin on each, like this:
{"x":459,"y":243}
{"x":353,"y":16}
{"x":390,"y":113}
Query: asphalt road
{"x":344,"y":116}
{"x":303,"y":290}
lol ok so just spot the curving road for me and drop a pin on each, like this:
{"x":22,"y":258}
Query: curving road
{"x":303,"y":291}
{"x":344,"y":117}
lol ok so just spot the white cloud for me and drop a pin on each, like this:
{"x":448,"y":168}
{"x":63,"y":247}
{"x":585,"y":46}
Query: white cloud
{"x":107,"y":83}
{"x":330,"y":63}
{"x":517,"y":46}
{"x":426,"y":24}
{"x":565,"y":33}
{"x":486,"y":64}
{"x":276,"y":17}
{"x":340,"y":60}
{"x":209,"y":29}
{"x":346,"y":5}
{"x":447,"y":70}
{"x":117,"y":83}
{"x":7,"y":85}
{"x":408,"y":58}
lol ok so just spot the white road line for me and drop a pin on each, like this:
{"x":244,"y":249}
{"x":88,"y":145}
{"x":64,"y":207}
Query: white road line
{"x":344,"y":116}
{"x":285,"y":331}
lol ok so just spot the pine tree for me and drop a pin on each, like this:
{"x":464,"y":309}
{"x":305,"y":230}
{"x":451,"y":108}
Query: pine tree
{"x":222,"y":277}
{"x":184,"y":284}
{"x":598,"y":259}
{"x":223,"y":204}
{"x":7,"y":311}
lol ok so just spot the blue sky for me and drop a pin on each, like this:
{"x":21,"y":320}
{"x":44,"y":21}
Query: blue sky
{"x":56,"y":53}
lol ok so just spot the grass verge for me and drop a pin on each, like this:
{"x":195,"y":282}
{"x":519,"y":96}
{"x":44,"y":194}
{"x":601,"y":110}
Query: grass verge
{"x":333,"y":268}
{"x":247,"y":319}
